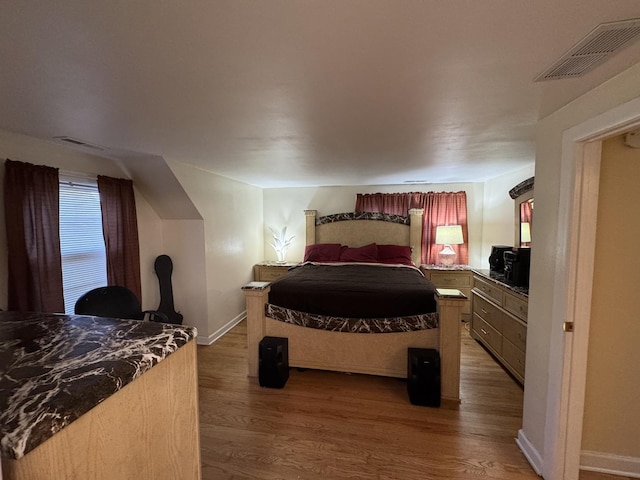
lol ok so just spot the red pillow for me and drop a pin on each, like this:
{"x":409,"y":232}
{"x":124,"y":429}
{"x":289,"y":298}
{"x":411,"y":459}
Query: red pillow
{"x":322,"y":252}
{"x":395,"y":254}
{"x":368,"y":253}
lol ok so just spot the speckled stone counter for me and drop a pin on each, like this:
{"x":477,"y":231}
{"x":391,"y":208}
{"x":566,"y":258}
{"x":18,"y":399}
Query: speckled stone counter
{"x":55,"y":368}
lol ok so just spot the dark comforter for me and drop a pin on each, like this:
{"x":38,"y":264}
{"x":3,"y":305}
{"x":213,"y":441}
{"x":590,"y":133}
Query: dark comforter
{"x":355,"y":291}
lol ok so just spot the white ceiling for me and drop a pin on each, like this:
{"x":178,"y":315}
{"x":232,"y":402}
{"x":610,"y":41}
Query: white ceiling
{"x":300,"y":92}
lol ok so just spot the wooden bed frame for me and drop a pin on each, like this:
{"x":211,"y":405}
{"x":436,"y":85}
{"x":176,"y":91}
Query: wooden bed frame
{"x":382,"y":354}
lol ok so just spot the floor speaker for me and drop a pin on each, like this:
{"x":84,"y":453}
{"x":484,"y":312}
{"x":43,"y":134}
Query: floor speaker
{"x":273,"y":366}
{"x":423,"y":377}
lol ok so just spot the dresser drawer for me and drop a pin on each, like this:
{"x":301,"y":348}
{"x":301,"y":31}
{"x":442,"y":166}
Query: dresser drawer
{"x":489,"y":335}
{"x":516,"y":305}
{"x":449,"y":279}
{"x":515,"y":332}
{"x":487,"y":312}
{"x":488,"y":290}
{"x":514,"y":357}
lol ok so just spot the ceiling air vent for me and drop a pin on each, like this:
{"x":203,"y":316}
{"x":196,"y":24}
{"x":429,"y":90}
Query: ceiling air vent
{"x":78,"y":143}
{"x":602,"y":42}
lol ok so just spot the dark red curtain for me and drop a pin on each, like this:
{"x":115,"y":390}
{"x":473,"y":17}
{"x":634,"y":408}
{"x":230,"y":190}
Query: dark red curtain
{"x":391,"y":203}
{"x":120,"y":228}
{"x":444,"y":208}
{"x":440,"y":208}
{"x":31,"y":203}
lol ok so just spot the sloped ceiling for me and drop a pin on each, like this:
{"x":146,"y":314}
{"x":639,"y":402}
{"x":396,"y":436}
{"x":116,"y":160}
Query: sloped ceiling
{"x":297,"y":93}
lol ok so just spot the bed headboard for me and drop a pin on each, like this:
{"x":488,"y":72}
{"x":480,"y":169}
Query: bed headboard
{"x":356,"y":229}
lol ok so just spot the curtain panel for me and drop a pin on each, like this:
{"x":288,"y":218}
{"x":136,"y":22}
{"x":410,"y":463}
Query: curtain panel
{"x":120,"y":228}
{"x":440,"y":208}
{"x":32,"y":219}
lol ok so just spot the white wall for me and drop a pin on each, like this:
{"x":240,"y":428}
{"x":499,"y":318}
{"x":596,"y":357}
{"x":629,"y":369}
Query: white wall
{"x":498,"y":225}
{"x":232,"y":241}
{"x":183,"y":241}
{"x":541,"y":325}
{"x":284,"y":207}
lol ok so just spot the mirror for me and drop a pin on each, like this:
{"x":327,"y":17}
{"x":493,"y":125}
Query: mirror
{"x":523,"y":221}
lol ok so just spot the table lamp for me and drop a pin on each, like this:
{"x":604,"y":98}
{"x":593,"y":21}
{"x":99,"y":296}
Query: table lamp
{"x":448,"y":235}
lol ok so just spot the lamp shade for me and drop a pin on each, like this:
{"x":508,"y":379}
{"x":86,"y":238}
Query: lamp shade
{"x":525,"y":232}
{"x":449,"y":235}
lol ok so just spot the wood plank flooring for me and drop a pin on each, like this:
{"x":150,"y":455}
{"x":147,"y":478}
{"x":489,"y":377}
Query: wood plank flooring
{"x":326,"y":425}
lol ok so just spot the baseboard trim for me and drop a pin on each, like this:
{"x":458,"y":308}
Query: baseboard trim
{"x":528,"y":450}
{"x":215,"y":336}
{"x":610,"y":464}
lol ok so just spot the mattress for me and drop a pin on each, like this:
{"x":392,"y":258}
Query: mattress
{"x":355,"y":290}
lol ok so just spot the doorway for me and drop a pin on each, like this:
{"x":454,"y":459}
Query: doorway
{"x":578,"y":207}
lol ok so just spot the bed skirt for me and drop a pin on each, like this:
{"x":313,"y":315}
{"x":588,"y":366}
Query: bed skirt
{"x":411,"y":323}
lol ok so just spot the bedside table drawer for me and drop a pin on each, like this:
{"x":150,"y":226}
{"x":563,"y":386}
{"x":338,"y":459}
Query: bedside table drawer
{"x":449,"y":279}
{"x":270,"y":273}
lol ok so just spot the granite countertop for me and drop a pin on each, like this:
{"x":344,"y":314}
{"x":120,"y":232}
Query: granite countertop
{"x":445,"y":267}
{"x":55,"y":368}
{"x":274,"y":263}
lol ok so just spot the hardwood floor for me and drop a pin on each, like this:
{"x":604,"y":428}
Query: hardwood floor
{"x":326,"y":425}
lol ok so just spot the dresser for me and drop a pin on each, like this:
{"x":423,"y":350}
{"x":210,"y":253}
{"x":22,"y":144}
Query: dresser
{"x":459,"y":277}
{"x":270,"y":271}
{"x":499,"y":320}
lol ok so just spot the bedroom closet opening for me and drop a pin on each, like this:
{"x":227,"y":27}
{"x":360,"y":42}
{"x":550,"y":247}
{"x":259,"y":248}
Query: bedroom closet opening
{"x":609,"y":431}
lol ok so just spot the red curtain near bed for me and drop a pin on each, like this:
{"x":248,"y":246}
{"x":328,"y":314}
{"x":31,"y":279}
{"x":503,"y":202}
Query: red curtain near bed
{"x":440,"y":208}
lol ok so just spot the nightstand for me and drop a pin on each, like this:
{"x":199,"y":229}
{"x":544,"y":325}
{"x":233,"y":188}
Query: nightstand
{"x":270,"y":271}
{"x":459,"y":277}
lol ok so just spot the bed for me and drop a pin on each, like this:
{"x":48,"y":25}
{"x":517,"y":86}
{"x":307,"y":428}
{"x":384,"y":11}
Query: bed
{"x":351,"y":343}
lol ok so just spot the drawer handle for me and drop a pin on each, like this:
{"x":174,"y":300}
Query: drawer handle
{"x":484,"y":311}
{"x":484,"y":331}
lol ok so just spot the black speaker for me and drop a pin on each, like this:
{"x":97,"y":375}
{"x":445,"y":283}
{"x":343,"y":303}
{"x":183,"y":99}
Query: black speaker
{"x":273,"y":366}
{"x":423,"y":377}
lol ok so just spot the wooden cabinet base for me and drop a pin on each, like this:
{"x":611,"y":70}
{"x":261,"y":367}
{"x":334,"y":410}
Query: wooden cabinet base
{"x":147,"y":430}
{"x":499,"y":322}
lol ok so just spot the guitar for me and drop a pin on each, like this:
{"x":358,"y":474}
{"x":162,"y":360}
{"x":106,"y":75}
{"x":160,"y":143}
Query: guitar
{"x":164,"y":267}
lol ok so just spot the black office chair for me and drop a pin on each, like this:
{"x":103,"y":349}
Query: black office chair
{"x":115,"y":302}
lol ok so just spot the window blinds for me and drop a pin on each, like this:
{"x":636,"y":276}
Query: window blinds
{"x":81,"y":240}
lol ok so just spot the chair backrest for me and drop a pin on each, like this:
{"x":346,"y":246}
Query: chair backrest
{"x":112,"y":301}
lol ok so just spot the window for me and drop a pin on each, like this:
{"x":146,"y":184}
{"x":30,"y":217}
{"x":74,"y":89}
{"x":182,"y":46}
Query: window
{"x":82,"y":247}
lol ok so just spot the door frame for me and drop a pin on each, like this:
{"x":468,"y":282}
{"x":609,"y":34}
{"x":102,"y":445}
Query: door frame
{"x":573,"y":279}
